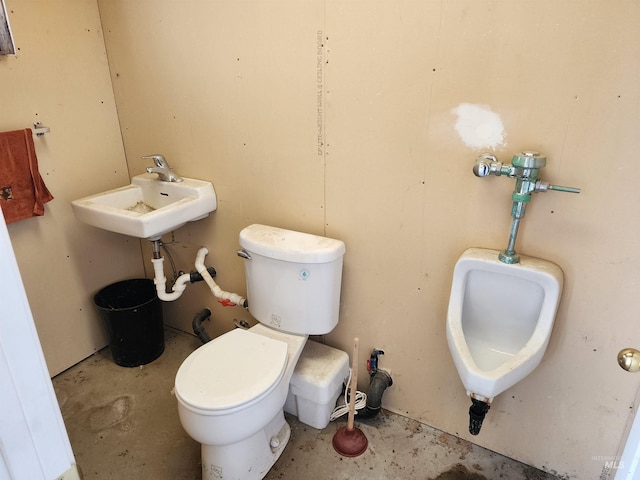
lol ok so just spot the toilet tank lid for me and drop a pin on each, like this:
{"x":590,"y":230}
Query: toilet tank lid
{"x":289,"y":245}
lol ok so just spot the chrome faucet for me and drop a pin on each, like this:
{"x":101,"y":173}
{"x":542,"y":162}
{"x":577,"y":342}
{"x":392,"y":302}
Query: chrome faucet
{"x":162,"y":168}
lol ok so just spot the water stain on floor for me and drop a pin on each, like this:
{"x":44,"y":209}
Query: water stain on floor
{"x":459,"y":472}
{"x":414,"y":427}
{"x":456,"y":445}
{"x":105,"y":416}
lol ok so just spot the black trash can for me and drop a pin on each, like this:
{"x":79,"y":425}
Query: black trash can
{"x":132,"y":314}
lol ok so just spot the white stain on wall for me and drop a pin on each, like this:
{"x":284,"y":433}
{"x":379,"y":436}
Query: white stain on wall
{"x":478,"y":126}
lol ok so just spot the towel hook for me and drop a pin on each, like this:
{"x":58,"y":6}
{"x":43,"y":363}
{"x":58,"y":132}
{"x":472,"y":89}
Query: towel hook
{"x":39,"y":130}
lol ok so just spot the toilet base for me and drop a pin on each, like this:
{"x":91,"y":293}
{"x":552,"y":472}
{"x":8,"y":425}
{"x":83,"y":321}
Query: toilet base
{"x":249,"y":459}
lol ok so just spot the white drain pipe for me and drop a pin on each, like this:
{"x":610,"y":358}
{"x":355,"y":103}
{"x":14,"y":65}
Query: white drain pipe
{"x":161,"y":282}
{"x":227,"y":298}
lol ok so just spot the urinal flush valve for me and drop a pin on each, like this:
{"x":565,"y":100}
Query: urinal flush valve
{"x":524,"y":167}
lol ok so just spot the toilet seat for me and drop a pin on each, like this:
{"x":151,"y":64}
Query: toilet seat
{"x":230,"y":372}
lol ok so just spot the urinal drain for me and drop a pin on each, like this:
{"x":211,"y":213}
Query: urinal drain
{"x":477,"y":412}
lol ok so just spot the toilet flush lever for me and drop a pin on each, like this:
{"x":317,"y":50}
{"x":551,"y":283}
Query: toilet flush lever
{"x":244,"y":254}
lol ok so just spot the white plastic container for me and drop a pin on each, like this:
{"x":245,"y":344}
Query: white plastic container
{"x":317,"y":383}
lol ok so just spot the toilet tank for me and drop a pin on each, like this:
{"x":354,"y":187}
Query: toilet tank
{"x":293,"y":278}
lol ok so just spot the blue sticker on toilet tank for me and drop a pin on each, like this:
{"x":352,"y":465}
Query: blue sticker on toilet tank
{"x":304,"y":274}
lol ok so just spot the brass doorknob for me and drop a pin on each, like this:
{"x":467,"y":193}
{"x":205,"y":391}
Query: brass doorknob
{"x":629,"y":359}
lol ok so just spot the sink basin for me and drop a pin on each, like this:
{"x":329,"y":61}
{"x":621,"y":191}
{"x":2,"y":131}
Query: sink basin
{"x":148,"y":208}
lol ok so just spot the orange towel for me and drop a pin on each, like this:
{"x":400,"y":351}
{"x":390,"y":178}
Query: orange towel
{"x":22,"y":190}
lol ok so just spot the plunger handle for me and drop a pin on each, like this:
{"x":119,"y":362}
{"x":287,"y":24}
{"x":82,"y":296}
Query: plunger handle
{"x":353,"y":388}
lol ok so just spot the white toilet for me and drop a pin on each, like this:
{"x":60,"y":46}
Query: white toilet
{"x":232,"y":390}
{"x":500,"y":319}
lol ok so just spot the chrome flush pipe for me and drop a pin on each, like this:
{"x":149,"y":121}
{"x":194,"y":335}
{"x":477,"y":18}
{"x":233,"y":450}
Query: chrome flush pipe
{"x":525,"y":168}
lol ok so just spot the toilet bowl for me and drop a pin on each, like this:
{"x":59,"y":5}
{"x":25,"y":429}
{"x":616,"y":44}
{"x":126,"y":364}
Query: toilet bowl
{"x":500,"y":319}
{"x":232,"y":390}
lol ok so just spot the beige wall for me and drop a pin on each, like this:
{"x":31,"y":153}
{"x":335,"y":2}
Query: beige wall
{"x":60,"y":77}
{"x":228,"y":91}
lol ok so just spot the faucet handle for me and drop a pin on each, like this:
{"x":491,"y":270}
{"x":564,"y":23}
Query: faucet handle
{"x":159,"y":160}
{"x":162,"y":168}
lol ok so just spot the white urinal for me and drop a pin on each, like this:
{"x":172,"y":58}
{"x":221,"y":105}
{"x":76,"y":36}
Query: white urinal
{"x":500,"y":319}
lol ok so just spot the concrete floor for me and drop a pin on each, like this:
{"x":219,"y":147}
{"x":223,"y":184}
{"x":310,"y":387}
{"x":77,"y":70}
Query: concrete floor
{"x":123,"y":424}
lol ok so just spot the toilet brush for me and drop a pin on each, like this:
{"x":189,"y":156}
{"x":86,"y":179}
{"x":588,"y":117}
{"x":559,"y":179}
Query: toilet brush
{"x":350,"y":441}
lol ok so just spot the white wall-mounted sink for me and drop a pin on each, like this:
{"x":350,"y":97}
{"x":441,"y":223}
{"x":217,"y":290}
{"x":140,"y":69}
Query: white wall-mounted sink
{"x":148,"y":208}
